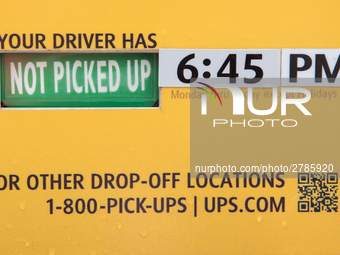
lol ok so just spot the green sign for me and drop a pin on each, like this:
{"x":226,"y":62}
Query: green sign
{"x":79,"y":80}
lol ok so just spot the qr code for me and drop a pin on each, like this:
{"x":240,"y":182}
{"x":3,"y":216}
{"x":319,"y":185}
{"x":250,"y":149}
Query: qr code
{"x":318,"y":192}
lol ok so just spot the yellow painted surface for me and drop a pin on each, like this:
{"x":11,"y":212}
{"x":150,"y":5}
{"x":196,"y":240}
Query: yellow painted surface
{"x":149,"y":141}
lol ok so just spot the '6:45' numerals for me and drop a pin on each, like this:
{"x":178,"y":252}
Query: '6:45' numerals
{"x":232,"y":74}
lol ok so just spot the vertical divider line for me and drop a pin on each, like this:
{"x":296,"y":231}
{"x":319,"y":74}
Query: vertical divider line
{"x":195,"y":206}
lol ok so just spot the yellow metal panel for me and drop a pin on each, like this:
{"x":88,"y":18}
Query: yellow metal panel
{"x":148,"y":141}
